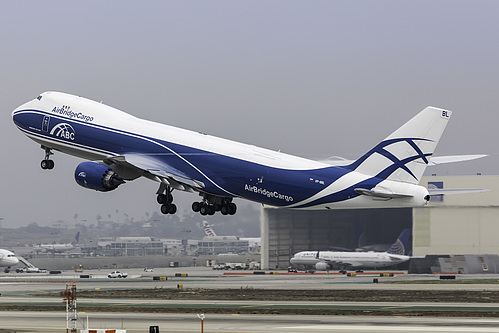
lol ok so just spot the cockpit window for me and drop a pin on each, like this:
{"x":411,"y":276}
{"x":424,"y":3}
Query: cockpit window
{"x":39,"y":97}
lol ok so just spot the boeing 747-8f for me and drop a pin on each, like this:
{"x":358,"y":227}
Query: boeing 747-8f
{"x":120,"y":147}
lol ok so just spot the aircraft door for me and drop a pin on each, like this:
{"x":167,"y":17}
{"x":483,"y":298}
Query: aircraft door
{"x":45,"y":123}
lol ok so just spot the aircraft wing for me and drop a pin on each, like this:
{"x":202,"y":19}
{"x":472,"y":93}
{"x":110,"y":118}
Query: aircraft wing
{"x":158,"y":170}
{"x":343,"y":264}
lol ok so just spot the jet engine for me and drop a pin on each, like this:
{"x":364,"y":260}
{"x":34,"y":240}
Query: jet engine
{"x":97,"y":177}
{"x":321,"y":266}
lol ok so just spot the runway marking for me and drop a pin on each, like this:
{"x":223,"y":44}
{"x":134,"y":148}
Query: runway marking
{"x":366,"y":328}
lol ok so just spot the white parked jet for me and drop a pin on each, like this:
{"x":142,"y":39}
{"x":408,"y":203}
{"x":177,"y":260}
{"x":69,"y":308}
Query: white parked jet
{"x":7,"y":259}
{"x":122,"y":147}
{"x":328,"y":260}
{"x":59,"y":247}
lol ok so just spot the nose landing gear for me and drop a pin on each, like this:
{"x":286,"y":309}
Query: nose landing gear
{"x":47,"y":163}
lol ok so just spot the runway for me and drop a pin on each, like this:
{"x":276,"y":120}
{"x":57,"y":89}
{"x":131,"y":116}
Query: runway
{"x":32,"y":322}
{"x":18,"y":289}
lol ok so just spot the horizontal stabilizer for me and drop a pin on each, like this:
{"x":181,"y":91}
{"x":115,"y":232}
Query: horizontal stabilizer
{"x":436,"y":160}
{"x":441,"y":191}
{"x":381,"y":195}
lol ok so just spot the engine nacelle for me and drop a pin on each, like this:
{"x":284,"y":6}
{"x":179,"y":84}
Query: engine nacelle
{"x":321,"y":266}
{"x":97,"y":177}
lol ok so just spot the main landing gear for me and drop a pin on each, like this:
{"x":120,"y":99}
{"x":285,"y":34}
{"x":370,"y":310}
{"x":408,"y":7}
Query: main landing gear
{"x":47,"y":163}
{"x":212,"y":204}
{"x":209,"y":206}
{"x":165,"y":199}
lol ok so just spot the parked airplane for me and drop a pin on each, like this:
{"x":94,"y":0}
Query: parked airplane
{"x":57,"y":247}
{"x":327,"y":260}
{"x":125,"y":148}
{"x":7,"y":259}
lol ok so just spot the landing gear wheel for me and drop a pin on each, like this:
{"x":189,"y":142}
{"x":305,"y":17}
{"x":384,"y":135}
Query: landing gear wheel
{"x":232,"y":208}
{"x":168,"y":209}
{"x":47,"y":164}
{"x":204,"y":210}
{"x":196,"y":206}
{"x":165,"y":198}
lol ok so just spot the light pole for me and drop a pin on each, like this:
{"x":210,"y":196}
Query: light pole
{"x":202,"y":316}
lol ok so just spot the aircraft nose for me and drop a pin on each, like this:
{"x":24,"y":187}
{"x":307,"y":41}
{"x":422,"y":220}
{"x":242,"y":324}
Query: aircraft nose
{"x":26,"y":106}
{"x":15,"y":114}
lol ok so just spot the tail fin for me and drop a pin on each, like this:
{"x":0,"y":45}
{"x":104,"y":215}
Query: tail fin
{"x":77,"y":239}
{"x":208,"y":230}
{"x":404,"y":155}
{"x":400,"y":244}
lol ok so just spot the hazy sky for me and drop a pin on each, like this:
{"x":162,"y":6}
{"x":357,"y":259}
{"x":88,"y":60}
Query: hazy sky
{"x":311,"y":78}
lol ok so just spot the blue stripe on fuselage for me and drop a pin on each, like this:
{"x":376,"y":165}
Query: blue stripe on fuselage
{"x":264,"y":184}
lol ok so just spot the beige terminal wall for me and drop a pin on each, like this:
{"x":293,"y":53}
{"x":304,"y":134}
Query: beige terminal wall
{"x":461,"y":223}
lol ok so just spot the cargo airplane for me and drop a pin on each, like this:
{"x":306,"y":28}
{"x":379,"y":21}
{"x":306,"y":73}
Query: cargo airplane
{"x":120,"y":147}
{"x":327,"y":260}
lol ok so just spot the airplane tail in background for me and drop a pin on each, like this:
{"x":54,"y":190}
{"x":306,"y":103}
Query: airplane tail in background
{"x":404,"y":155}
{"x":400,"y":244}
{"x":208,"y":230}
{"x":77,"y":239}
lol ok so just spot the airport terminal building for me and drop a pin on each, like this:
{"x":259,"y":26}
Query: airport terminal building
{"x":451,"y":225}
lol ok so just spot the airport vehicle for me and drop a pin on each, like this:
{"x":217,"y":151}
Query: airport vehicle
{"x":328,"y":260}
{"x":31,"y":270}
{"x":57,"y":248}
{"x":121,"y":147}
{"x":7,"y":259}
{"x":117,"y":274}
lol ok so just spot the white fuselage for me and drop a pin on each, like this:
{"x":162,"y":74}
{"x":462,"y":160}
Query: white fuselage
{"x":53,"y":247}
{"x":7,"y":258}
{"x":348,"y":259}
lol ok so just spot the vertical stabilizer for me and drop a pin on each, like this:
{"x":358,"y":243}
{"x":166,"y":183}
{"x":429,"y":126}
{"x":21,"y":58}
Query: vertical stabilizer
{"x":77,"y":239}
{"x":404,"y":155}
{"x":400,"y":244}
{"x":208,"y":230}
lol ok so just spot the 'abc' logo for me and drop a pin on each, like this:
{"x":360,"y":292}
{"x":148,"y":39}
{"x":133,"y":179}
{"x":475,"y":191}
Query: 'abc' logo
{"x":63,"y":130}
